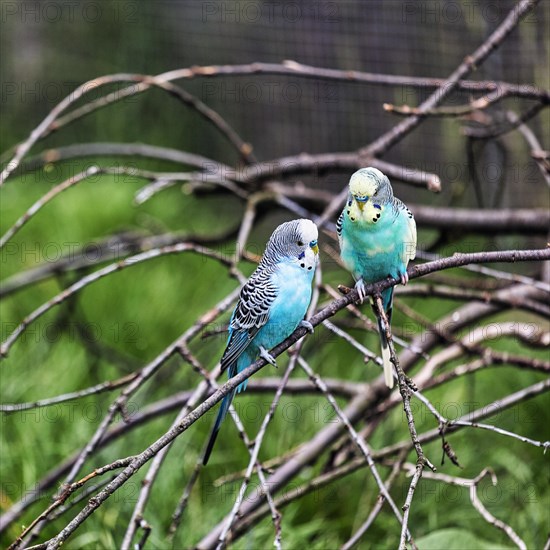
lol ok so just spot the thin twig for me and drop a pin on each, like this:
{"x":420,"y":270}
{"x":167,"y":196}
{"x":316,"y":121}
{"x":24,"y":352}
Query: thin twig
{"x":94,"y":390}
{"x":378,"y":506}
{"x":99,"y":274}
{"x":356,"y":438}
{"x":478,"y":505}
{"x":68,"y":491}
{"x":397,"y":133}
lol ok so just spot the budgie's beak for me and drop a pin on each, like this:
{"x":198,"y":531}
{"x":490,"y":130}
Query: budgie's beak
{"x":361,"y":201}
{"x":313,"y":245}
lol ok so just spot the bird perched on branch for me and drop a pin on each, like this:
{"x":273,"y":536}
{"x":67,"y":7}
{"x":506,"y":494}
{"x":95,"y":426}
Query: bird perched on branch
{"x":272,"y":304}
{"x":377,"y":235}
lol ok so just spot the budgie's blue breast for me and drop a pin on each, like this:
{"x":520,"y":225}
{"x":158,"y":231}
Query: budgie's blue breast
{"x":290,"y":305}
{"x":286,"y":312}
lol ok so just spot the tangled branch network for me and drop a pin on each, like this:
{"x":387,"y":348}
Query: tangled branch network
{"x":446,"y":351}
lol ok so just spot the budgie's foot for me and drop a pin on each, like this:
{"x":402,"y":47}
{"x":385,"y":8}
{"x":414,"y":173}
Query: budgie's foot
{"x":404,"y":277}
{"x":360,"y":286}
{"x":264,"y":354}
{"x":307,"y":325}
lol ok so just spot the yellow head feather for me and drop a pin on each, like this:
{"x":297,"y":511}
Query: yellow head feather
{"x":363,"y":184}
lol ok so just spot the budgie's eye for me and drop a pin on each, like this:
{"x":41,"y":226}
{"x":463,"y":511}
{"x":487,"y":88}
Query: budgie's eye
{"x":300,"y":243}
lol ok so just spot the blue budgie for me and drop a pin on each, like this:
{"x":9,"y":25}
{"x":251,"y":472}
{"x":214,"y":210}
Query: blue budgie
{"x":377,"y":235}
{"x":272,"y":304}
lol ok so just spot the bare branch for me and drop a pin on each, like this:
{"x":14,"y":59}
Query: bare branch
{"x":356,"y":438}
{"x":383,"y":143}
{"x":99,"y":274}
{"x":67,"y":491}
{"x":84,"y":150}
{"x":378,"y":506}
{"x":478,"y":505}
{"x":536,"y":220}
{"x":497,"y":130}
{"x":98,"y":388}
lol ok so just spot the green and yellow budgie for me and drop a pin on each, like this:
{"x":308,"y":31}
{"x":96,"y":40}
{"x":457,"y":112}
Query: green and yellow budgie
{"x":377,"y":235}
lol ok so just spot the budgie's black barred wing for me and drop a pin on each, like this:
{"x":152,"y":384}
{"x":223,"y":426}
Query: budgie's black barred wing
{"x":339,"y":223}
{"x":251,"y":314}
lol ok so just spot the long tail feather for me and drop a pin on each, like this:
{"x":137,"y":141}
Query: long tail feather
{"x":386,"y":357}
{"x":387,"y":297}
{"x":226,"y":402}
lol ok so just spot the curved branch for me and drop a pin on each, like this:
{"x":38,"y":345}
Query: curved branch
{"x":99,"y":274}
{"x":106,"y":149}
{"x":114,"y":247}
{"x":49,"y":123}
{"x":511,"y":220}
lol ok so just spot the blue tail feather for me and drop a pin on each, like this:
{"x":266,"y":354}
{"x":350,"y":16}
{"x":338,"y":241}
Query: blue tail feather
{"x":226,"y":402}
{"x":387,"y":301}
